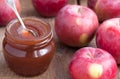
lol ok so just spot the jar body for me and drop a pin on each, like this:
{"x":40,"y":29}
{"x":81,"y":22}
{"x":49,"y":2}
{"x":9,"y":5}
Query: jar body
{"x":28,"y":60}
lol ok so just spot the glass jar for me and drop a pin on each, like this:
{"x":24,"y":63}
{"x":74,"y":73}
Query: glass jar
{"x":28,"y":56}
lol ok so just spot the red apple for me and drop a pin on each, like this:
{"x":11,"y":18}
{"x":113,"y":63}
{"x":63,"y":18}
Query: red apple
{"x":105,"y":9}
{"x":75,"y":25}
{"x":92,"y":63}
{"x":48,"y":8}
{"x":6,"y":13}
{"x":108,"y":37}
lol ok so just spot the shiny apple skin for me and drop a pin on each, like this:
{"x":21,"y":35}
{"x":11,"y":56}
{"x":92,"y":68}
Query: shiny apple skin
{"x":108,"y":37}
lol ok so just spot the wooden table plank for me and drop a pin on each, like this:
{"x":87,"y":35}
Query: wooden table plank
{"x":58,"y":68}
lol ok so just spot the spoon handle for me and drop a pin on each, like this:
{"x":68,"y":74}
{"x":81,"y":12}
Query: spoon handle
{"x":11,"y":3}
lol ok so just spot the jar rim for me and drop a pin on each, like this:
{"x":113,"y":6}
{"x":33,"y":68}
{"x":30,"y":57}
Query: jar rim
{"x":36,"y":40}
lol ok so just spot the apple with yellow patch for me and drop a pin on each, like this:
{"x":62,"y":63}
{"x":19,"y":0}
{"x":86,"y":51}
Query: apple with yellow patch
{"x":75,"y":25}
{"x":92,"y":63}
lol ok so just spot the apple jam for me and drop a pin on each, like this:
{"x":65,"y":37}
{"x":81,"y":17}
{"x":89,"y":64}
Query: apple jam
{"x":25,"y":54}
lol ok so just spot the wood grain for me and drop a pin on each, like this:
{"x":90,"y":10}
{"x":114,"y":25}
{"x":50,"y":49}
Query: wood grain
{"x":58,"y":68}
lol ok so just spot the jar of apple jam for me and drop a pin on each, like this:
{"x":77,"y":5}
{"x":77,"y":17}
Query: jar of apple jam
{"x":26,"y":54}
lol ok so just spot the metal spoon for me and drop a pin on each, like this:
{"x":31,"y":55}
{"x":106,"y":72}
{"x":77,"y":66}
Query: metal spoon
{"x":11,"y":3}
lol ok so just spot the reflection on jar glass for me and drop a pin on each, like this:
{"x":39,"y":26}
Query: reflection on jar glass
{"x":28,"y":55}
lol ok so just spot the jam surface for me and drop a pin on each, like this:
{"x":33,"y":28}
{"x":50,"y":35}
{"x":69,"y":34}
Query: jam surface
{"x":38,"y":27}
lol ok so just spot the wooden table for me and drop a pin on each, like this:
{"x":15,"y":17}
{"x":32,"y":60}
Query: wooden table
{"x":58,"y":68}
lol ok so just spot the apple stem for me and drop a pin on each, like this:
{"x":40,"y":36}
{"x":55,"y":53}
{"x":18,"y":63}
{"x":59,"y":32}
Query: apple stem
{"x":80,"y":9}
{"x":90,"y":55}
{"x":119,"y":22}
